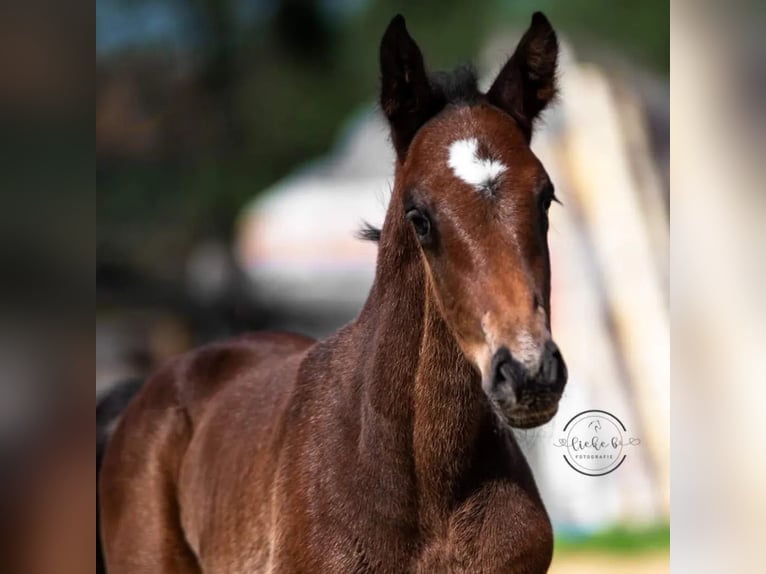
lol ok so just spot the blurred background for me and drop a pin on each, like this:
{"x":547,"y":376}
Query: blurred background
{"x":239,"y":149}
{"x":718,"y":287}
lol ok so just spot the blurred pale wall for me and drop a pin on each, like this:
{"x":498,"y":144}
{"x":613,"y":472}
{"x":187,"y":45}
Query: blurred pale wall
{"x":718,"y":241}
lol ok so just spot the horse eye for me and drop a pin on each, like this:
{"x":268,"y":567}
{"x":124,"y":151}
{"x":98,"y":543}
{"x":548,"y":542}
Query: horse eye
{"x":420,"y":222}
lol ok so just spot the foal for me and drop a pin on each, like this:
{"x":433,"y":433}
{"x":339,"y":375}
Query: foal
{"x":387,"y":447}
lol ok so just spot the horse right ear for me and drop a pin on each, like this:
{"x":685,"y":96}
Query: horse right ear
{"x":527,"y":82}
{"x":406,"y":96}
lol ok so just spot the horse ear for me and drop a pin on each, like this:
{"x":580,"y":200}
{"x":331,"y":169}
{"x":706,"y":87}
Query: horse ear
{"x":406,"y":95}
{"x":527,"y":82}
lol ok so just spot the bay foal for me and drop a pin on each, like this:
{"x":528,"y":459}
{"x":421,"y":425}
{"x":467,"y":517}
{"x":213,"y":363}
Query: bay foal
{"x":386,"y":447}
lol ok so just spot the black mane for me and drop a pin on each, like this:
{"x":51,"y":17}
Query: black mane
{"x":458,"y":86}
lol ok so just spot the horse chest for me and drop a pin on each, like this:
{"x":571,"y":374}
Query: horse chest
{"x":500,"y":529}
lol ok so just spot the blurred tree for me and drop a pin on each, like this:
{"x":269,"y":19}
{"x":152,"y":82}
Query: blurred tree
{"x":302,"y":29}
{"x":216,"y":30}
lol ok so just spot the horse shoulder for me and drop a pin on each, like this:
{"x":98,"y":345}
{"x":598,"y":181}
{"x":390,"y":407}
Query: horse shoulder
{"x":237,"y":394}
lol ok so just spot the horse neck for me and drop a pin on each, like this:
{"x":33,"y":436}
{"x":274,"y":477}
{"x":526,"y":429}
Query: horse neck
{"x":423,"y":406}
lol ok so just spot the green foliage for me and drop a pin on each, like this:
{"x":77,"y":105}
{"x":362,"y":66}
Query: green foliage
{"x":616,"y":540}
{"x":639,"y":29}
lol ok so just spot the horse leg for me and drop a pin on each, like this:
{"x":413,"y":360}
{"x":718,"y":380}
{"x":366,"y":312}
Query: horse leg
{"x":140,"y":516}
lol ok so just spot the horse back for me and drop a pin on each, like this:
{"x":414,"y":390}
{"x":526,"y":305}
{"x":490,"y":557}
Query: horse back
{"x":251,"y":368}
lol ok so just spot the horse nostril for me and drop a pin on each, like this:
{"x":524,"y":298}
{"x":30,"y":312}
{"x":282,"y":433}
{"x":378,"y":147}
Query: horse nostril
{"x":553,"y":368}
{"x":506,"y":370}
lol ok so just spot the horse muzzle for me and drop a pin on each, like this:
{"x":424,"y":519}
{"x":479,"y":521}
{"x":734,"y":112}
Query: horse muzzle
{"x":521,"y":398}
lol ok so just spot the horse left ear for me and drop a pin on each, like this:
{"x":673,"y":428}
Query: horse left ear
{"x":406,"y":95}
{"x":527,"y":82}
